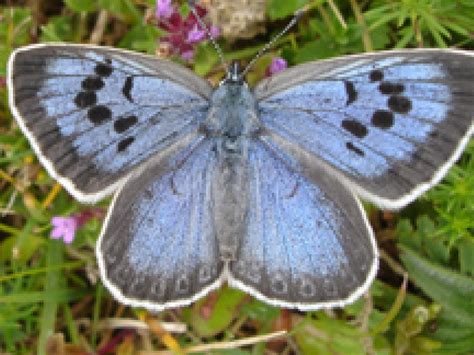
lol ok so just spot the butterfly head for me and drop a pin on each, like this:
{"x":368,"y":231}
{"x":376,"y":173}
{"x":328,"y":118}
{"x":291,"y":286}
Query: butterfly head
{"x":234,"y":75}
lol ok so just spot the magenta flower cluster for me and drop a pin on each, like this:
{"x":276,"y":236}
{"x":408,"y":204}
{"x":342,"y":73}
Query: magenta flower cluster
{"x":183,"y":33}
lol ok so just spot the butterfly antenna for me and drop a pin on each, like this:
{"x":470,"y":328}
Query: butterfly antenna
{"x":265,"y":48}
{"x":191,"y":4}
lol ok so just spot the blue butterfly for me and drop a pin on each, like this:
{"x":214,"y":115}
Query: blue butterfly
{"x":253,"y":187}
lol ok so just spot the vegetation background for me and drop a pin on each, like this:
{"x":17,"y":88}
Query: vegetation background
{"x":50,"y":298}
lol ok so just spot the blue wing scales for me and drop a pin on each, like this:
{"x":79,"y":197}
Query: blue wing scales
{"x":389,"y":124}
{"x":158,"y":247}
{"x":308,"y":243}
{"x":93,"y":114}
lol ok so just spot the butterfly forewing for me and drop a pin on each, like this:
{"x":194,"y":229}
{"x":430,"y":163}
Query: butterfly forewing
{"x":390,"y":124}
{"x":93,"y":114}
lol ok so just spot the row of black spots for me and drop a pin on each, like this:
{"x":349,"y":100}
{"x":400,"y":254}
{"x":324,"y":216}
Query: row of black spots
{"x":101,"y":114}
{"x":358,"y":130}
{"x":385,"y":87}
{"x":396,"y":103}
{"x":383,"y":119}
{"x":121,"y":125}
{"x":88,"y":97}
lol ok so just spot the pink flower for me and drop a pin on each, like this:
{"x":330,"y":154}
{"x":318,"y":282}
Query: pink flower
{"x":188,"y":55}
{"x":195,"y":35}
{"x":278,"y":64}
{"x":163,"y":9}
{"x":182,"y":33}
{"x":64,"y":228}
{"x":215,"y":32}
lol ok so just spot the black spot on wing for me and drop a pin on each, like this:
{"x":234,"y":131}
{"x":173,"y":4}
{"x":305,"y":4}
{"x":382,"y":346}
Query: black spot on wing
{"x":355,"y":128}
{"x":92,"y":83}
{"x":124,"y":143}
{"x":351,"y":92}
{"x":400,"y":104}
{"x":388,"y":88}
{"x":104,"y":69}
{"x":382,"y":119}
{"x":85,"y":99}
{"x":127,"y":88}
{"x":124,"y":123}
{"x":99,"y":114}
{"x":353,"y":148}
{"x":376,"y":75}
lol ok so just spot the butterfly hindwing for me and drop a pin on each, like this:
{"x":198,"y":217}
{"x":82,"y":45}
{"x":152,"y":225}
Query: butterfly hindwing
{"x":390,"y":124}
{"x":307,"y":243}
{"x":93,"y":114}
{"x":158,"y":247}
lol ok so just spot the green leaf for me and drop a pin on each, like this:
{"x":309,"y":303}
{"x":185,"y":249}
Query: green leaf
{"x":452,"y":290}
{"x":260,"y":311}
{"x":58,"y":29}
{"x":81,"y":5}
{"x":455,"y":338}
{"x":124,"y":9}
{"x":141,"y":38}
{"x":318,"y":49}
{"x":425,"y":238}
{"x":277,"y":9}
{"x":205,"y":58}
{"x":24,"y":250}
{"x":465,"y":248}
{"x":328,"y":336}
{"x":223,"y":312}
{"x":54,"y":283}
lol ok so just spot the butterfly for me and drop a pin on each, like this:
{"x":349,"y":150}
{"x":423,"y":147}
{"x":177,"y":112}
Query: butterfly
{"x":257,"y":187}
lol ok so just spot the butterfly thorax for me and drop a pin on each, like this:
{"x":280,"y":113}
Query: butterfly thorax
{"x":232,"y":122}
